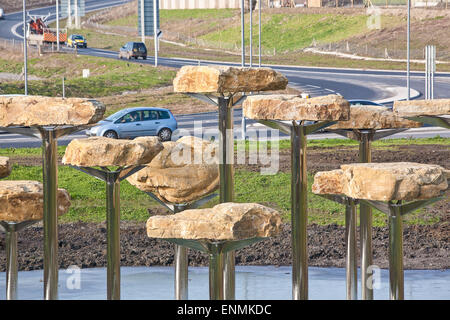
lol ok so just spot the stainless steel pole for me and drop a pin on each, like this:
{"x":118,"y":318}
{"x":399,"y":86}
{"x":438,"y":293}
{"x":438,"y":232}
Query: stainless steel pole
{"x":181,"y":268}
{"x":155,"y":27}
{"x":365,"y":216}
{"x":181,"y":273}
{"x":408,"y":53}
{"x":396,"y":280}
{"x":226,"y":173}
{"x":299,"y":217}
{"x":57,"y":25}
{"x":351,"y":259}
{"x":216,"y":276}
{"x":433,"y":69}
{"x":243,"y":120}
{"x":69,"y":14}
{"x":77,"y":25}
{"x":50,"y":177}
{"x":11,"y":265}
{"x":426,"y":72}
{"x":259,"y":40}
{"x":25,"y":53}
{"x":113,"y":236}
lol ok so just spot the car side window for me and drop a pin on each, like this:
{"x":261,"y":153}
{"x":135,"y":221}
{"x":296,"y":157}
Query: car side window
{"x":163,"y":115}
{"x":133,"y":116}
{"x":149,"y":115}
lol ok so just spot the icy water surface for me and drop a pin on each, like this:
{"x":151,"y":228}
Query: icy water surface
{"x":252,"y":282}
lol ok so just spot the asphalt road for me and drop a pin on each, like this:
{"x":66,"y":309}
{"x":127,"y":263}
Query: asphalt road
{"x":376,"y":85}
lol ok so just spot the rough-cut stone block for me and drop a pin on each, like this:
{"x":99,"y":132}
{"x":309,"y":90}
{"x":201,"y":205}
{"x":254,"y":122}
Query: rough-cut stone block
{"x":223,"y":79}
{"x":5,"y":167}
{"x":101,"y":151}
{"x":24,"y":200}
{"x":374,"y":117}
{"x":184,"y":171}
{"x":328,"y":182}
{"x":292,"y":107}
{"x":48,"y":111}
{"x":412,"y":108}
{"x":225,"y":221}
{"x":383,"y":181}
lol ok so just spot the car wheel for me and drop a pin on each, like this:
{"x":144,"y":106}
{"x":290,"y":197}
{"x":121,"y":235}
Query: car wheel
{"x":144,"y":57}
{"x":165,"y":134}
{"x":110,"y":134}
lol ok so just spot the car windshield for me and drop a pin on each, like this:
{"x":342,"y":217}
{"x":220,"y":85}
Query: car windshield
{"x":116,"y":115}
{"x":78,"y":37}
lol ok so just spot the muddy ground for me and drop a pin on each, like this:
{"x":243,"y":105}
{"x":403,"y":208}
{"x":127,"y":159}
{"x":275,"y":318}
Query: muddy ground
{"x":84,"y":244}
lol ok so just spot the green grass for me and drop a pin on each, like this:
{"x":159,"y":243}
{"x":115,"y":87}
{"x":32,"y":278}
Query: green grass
{"x":27,"y":152}
{"x":88,"y":197}
{"x":108,"y":76}
{"x":284,"y":144}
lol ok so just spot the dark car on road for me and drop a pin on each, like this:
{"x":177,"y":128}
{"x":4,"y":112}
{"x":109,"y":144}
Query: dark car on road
{"x":133,"y":50}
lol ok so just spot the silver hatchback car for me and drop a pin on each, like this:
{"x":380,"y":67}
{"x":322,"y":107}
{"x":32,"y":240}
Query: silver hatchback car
{"x":136,"y":122}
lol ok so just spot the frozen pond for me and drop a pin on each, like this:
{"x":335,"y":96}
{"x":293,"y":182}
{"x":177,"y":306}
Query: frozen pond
{"x":252,"y":282}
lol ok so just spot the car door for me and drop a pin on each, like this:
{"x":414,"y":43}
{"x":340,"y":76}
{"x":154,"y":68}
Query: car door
{"x":131,"y":125}
{"x":150,"y":122}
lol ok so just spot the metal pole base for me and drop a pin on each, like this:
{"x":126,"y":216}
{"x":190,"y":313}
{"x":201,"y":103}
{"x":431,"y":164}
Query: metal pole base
{"x":365,"y":138}
{"x":11,"y":230}
{"x":216,"y":251}
{"x":352,"y":255}
{"x":395,"y":212}
{"x":351,"y":259}
{"x":112,"y":179}
{"x":181,"y":253}
{"x":49,"y":136}
{"x":226,"y":172}
{"x":299,"y":191}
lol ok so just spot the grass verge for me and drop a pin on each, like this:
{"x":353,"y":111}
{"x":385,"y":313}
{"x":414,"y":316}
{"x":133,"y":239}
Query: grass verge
{"x":107,"y":76}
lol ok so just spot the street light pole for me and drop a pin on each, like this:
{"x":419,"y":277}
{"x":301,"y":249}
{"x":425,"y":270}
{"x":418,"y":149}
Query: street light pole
{"x":251,"y":32}
{"x":259,"y":44}
{"x":25,"y":55}
{"x":242,"y":33}
{"x":408,"y":53}
{"x":142,"y":22}
{"x":155,"y":27}
{"x":57,"y":25}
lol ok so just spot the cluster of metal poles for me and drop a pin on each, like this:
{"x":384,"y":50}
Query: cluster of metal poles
{"x":49,"y":137}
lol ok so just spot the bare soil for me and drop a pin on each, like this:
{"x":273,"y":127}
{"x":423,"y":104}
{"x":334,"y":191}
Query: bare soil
{"x":84,"y":244}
